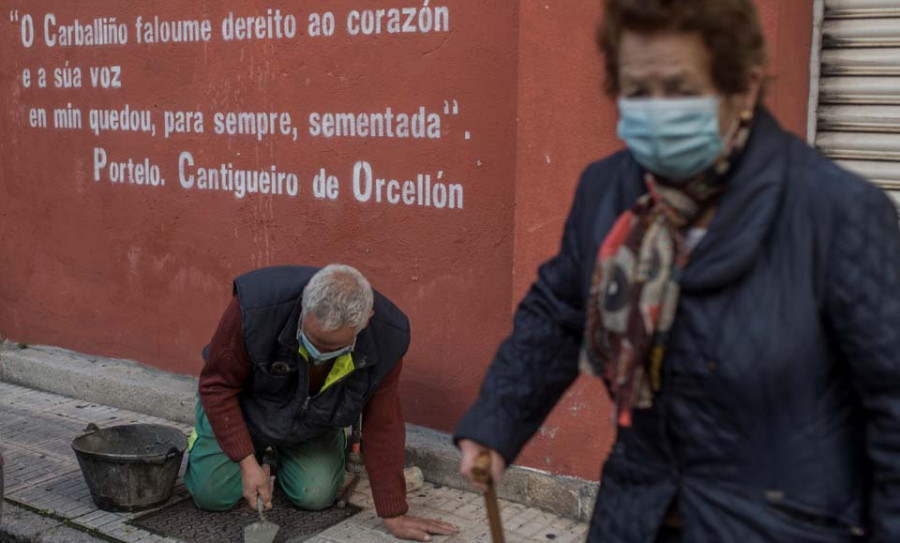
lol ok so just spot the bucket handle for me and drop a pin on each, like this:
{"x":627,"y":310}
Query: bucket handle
{"x":91,"y":428}
{"x":173,"y":452}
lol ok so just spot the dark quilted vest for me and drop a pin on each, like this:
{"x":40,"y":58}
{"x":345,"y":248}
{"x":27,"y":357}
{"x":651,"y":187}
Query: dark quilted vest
{"x":276,"y":402}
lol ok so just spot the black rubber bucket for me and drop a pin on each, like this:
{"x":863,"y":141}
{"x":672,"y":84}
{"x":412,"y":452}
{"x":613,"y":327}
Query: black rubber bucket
{"x":132,"y":467}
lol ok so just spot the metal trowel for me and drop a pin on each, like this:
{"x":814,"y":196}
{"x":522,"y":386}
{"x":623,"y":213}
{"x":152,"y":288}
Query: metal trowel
{"x":261,"y":531}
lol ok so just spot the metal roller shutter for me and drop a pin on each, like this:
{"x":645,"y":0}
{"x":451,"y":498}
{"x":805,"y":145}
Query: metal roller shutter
{"x":858,"y":113}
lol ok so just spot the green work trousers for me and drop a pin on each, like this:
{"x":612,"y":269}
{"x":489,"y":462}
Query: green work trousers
{"x":310,"y":473}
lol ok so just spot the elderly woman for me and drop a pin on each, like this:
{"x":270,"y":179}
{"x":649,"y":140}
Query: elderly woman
{"x":738,"y":293}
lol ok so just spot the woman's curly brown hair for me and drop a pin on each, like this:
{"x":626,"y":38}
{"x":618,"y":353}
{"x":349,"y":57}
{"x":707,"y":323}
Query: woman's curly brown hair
{"x":730,"y":28}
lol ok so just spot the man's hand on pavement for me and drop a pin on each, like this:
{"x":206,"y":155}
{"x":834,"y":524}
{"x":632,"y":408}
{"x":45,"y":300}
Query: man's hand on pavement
{"x":256,"y":481}
{"x":470,"y":452}
{"x":418,"y":529}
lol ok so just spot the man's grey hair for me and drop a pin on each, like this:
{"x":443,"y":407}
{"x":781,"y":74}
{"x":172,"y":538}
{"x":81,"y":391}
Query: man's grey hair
{"x":338,"y":296}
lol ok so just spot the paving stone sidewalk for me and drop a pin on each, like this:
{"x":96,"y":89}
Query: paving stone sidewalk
{"x":47,"y":500}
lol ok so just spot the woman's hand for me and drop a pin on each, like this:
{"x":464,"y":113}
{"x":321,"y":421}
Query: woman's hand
{"x":470,"y":452}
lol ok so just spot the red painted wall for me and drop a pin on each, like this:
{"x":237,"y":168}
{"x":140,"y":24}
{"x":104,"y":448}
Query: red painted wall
{"x":143,"y":272}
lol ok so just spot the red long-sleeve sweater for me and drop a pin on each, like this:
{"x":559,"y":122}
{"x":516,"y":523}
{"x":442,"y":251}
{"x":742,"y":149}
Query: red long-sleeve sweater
{"x":226,"y":370}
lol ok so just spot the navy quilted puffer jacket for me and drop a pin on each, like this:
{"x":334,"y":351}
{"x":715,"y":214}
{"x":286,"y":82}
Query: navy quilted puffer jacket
{"x":779,"y":418}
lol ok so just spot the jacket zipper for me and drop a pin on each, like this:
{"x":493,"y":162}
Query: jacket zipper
{"x":343,"y":378}
{"x":776,"y":501}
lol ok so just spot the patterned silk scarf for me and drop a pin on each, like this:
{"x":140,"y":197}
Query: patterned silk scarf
{"x":635,"y":287}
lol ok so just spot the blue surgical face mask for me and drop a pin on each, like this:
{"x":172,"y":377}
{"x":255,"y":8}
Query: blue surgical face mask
{"x":675,"y":138}
{"x":318,"y":357}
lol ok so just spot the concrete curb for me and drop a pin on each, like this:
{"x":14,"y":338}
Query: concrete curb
{"x":129,"y":385}
{"x":108,"y":381}
{"x":435,"y":454}
{"x":19,"y":525}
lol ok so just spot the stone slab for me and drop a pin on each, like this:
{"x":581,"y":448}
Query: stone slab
{"x":64,"y":534}
{"x":19,"y":525}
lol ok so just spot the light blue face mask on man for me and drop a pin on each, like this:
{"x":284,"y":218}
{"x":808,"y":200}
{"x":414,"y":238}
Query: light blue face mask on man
{"x":318,"y":357}
{"x":675,"y":138}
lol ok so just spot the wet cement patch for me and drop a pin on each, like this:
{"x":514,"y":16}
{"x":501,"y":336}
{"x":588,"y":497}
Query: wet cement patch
{"x":185,"y":522}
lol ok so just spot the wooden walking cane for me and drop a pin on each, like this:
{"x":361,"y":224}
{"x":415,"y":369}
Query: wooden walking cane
{"x":481,"y":472}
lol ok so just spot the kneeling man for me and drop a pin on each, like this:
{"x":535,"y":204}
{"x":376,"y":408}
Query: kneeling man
{"x":298,"y":355}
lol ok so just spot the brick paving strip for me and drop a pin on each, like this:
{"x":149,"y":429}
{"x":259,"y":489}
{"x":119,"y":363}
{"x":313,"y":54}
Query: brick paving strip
{"x":51,"y":502}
